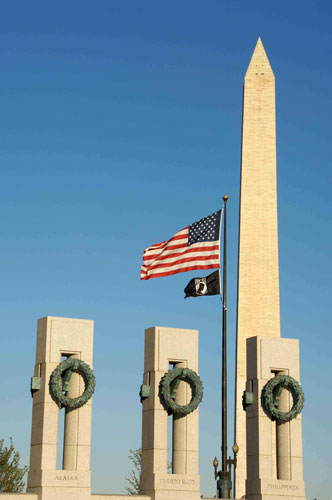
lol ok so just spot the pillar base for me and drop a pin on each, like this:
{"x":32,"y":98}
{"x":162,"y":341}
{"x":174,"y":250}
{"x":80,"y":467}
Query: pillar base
{"x":173,"y":486}
{"x":269,"y":489}
{"x":57,"y":493}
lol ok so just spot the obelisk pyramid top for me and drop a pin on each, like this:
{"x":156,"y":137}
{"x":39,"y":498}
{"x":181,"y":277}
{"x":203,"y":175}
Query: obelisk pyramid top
{"x":259,"y":64}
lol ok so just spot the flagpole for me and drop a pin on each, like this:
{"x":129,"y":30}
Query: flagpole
{"x":221,"y":216}
{"x":224,"y":483}
{"x":224,"y":349}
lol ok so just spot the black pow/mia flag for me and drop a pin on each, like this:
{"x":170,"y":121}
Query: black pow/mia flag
{"x":203,"y":286}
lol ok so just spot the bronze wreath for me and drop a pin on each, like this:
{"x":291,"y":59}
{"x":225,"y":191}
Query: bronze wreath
{"x":77,"y":366}
{"x":196,"y":386}
{"x":268,"y":397}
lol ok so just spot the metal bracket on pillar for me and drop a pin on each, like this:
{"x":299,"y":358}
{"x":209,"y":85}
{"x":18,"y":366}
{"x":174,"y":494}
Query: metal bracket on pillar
{"x":34,"y":385}
{"x":144,"y":392}
{"x":247,"y":399}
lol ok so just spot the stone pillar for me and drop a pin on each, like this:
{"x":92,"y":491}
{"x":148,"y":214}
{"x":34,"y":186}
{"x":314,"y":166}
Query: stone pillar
{"x":70,"y":438}
{"x":56,"y":338}
{"x":258,"y":275}
{"x":271,"y":477}
{"x":165,"y":347}
{"x":180,"y":429}
{"x":283,"y":451}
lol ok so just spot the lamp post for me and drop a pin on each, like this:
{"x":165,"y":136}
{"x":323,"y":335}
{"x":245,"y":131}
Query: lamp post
{"x":224,"y":483}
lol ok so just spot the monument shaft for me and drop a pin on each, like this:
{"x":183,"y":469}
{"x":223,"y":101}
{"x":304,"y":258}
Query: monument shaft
{"x":258,"y":274}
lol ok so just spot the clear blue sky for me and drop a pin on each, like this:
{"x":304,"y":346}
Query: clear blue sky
{"x":120,"y":124}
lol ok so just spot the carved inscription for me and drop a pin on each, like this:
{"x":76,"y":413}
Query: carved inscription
{"x":276,"y":486}
{"x":187,"y":482}
{"x":66,"y":478}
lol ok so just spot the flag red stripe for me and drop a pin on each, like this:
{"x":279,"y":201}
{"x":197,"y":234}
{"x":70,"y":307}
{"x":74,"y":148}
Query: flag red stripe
{"x":193,"y":249}
{"x":174,"y":266}
{"x":170,"y":247}
{"x":182,"y":261}
{"x":177,"y":236}
{"x":191,"y":268}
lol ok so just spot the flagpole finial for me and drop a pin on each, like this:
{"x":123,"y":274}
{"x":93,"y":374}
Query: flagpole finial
{"x":225,"y":198}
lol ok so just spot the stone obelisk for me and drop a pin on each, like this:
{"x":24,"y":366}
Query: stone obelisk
{"x":258,"y":274}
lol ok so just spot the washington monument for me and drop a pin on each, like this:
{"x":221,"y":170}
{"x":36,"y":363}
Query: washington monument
{"x":258,"y":274}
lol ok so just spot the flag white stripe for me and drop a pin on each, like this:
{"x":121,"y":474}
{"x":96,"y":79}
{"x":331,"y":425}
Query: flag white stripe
{"x":174,"y":243}
{"x":195,"y":246}
{"x":159,"y":246}
{"x":184,"y":255}
{"x":183,"y":265}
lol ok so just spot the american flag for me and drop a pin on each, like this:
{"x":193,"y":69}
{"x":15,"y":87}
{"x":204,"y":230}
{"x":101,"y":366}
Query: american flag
{"x":194,"y":247}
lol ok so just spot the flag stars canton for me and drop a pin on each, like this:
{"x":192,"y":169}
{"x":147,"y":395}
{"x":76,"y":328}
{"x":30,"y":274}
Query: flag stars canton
{"x":206,"y":229}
